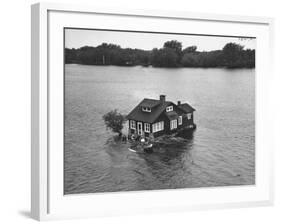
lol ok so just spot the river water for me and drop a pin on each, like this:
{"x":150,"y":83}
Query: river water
{"x":220,"y":153}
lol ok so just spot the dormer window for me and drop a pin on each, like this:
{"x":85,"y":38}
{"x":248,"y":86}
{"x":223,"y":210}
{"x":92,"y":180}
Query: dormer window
{"x":146,"y":109}
{"x":170,"y":108}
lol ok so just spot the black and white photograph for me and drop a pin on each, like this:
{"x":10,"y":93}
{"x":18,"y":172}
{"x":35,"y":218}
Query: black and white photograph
{"x":157,"y":111}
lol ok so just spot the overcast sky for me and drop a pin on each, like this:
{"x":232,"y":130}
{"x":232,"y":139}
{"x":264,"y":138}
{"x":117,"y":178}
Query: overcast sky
{"x":76,"y":38}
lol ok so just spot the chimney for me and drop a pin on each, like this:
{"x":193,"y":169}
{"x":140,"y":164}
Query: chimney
{"x":179,"y":103}
{"x":162,"y":98}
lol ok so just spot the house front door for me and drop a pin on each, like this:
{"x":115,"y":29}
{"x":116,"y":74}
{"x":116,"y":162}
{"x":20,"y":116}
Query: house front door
{"x":139,"y":128}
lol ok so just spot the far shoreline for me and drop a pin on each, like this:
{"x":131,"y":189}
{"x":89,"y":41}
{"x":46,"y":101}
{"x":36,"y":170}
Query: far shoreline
{"x":150,"y":66}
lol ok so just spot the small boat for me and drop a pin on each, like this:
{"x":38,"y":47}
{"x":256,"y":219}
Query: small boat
{"x":140,"y":148}
{"x":132,"y":150}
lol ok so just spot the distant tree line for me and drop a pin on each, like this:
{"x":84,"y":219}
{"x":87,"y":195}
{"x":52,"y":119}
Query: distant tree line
{"x":170,"y":55}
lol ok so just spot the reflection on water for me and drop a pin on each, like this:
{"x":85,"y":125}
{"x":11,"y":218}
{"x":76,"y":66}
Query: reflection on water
{"x":221,"y":152}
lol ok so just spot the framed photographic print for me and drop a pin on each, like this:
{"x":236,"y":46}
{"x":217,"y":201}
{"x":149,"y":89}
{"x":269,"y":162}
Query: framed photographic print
{"x":139,"y":111}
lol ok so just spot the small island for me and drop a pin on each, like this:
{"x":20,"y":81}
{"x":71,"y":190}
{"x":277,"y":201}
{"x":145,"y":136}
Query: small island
{"x":152,"y":119}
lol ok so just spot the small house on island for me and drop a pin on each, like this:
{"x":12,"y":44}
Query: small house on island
{"x":153,"y":118}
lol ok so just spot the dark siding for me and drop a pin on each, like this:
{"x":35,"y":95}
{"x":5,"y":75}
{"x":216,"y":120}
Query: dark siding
{"x":159,"y":133}
{"x":180,"y":113}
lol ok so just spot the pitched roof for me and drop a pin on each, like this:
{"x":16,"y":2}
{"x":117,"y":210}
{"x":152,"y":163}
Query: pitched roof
{"x":149,"y":103}
{"x":172,"y":115}
{"x":157,"y":108}
{"x":186,"y":107}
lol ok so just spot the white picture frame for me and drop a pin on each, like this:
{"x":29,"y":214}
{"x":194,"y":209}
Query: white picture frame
{"x":47,"y":199}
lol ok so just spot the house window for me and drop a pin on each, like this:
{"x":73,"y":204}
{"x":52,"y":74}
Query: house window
{"x":146,"y":109}
{"x":189,"y":116}
{"x":173,"y":124}
{"x":159,"y":126}
{"x":133,"y":124}
{"x":147,"y":127}
{"x":180,"y":120}
{"x":170,"y":108}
